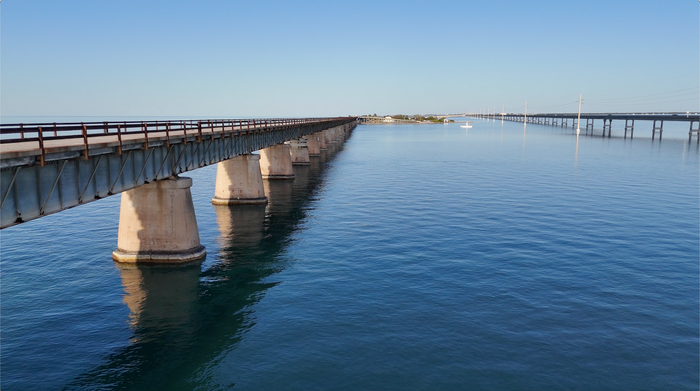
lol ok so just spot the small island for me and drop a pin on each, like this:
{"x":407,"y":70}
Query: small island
{"x":404,"y":119}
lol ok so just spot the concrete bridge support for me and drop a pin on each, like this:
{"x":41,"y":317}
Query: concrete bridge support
{"x":299,"y":152}
{"x":157,"y":224}
{"x":694,"y":130}
{"x":629,"y":126}
{"x":313,"y":145}
{"x":276,"y":162}
{"x":239,"y":181}
{"x":321,"y":140}
{"x":330,"y":136}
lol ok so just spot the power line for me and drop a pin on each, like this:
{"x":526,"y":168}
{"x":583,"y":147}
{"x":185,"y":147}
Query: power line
{"x":648,"y":100}
{"x":641,"y":103}
{"x":553,"y":107}
{"x":652,"y":96}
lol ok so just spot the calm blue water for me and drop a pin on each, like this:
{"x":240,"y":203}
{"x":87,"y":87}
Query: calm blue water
{"x":412,"y":257}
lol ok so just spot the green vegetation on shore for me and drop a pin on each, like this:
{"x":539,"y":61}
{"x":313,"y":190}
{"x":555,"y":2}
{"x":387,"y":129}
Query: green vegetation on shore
{"x":416,"y":117}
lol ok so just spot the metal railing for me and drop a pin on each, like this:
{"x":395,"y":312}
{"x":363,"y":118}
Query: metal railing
{"x":40,"y":133}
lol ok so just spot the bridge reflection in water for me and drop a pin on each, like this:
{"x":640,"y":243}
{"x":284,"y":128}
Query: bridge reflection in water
{"x":183,"y":318}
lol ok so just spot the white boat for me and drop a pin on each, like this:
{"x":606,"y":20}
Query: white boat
{"x":465,"y":126}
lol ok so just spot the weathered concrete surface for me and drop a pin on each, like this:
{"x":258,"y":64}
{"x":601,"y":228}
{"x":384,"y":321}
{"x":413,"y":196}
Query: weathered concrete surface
{"x":299,"y":152}
{"x":276,"y":162}
{"x":239,"y":181}
{"x":157,"y":224}
{"x":313,"y":144}
{"x":321,"y":140}
{"x":328,"y":136}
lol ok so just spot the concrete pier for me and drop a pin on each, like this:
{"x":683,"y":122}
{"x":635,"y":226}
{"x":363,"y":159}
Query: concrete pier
{"x":299,"y":152}
{"x":239,"y":181}
{"x":336,"y":134}
{"x":313,"y":145}
{"x":328,"y":136}
{"x":321,"y":140}
{"x":157,"y":224}
{"x":276,"y":162}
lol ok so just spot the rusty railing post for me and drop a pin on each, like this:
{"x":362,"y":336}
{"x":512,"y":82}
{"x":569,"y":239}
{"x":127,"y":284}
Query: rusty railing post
{"x":85,"y":141}
{"x":41,"y":145}
{"x":119,"y":137}
{"x":145,"y":132}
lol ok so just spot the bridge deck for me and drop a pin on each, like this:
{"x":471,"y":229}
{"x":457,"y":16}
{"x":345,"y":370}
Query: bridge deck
{"x":15,"y":143}
{"x":561,"y":119}
{"x":681,"y":117}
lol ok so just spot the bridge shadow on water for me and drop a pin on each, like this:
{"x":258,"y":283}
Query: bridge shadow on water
{"x":184,"y":319}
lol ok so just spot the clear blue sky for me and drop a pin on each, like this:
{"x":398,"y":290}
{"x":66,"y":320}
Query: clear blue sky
{"x":322,"y":58}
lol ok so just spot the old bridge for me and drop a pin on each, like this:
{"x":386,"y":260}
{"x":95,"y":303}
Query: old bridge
{"x":49,"y":167}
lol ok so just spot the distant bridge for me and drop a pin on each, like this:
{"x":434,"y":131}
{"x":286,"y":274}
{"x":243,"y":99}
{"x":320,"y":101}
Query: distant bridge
{"x":562,"y":119}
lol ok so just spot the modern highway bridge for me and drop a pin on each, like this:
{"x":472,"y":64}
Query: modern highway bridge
{"x":562,"y":119}
{"x":49,"y":167}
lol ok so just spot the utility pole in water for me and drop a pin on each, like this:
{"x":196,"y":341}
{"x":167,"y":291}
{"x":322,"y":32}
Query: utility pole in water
{"x":525,"y":117}
{"x":578,"y":121}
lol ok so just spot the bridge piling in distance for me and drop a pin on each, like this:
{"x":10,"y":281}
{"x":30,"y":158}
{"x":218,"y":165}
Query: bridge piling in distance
{"x":589,"y":124}
{"x":328,"y":136}
{"x":659,"y":128}
{"x":694,"y":130}
{"x":299,"y":152}
{"x":607,"y":124}
{"x":629,"y":126}
{"x":276,"y":162}
{"x":322,"y":145}
{"x":313,"y":145}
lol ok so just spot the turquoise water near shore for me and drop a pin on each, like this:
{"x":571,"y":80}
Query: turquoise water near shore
{"x":410,"y":257}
